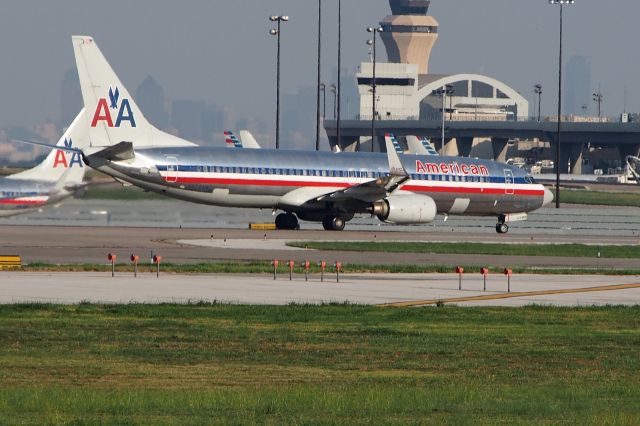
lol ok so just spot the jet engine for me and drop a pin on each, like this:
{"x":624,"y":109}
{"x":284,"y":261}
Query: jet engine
{"x":406,"y":209}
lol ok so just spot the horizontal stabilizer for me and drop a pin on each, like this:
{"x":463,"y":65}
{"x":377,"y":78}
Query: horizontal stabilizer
{"x":119,"y":152}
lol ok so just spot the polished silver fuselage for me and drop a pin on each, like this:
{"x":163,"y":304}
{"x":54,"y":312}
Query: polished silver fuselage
{"x":261,"y":178}
{"x":19,"y":196}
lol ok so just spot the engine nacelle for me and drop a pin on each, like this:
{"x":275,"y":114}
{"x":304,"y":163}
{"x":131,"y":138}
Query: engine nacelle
{"x":406,"y":209}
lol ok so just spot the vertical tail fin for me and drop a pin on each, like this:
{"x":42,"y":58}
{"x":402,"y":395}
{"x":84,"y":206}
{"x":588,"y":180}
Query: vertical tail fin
{"x":231,"y":140}
{"x":421,"y":146}
{"x":59,"y":165}
{"x":112,"y":114}
{"x":396,"y":145}
{"x":248,"y":141}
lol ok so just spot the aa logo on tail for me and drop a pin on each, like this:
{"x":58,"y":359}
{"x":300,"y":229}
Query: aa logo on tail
{"x":122,"y":108}
{"x":61,"y":157}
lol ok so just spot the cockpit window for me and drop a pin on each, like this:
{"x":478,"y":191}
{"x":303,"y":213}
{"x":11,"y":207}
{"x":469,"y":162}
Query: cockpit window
{"x":529,"y":179}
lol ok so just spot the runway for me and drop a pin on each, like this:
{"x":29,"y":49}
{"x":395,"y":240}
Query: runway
{"x":396,"y":289}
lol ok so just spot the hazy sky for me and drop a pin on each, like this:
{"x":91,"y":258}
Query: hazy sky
{"x":220,"y":51}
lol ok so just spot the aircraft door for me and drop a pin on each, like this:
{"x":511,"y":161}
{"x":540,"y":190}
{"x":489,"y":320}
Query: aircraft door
{"x":172,"y":169}
{"x":509,"y":182}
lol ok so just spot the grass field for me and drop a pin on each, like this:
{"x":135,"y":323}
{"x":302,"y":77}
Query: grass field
{"x":266,"y":268}
{"x":573,"y":196}
{"x":215,"y":364}
{"x":564,"y":250}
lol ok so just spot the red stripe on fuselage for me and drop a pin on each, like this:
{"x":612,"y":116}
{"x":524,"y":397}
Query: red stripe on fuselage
{"x":22,"y":202}
{"x":316,"y":184}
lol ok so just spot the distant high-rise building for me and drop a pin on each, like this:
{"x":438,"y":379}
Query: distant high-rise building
{"x":577,"y":83}
{"x":150,"y":97}
{"x":186,"y":117}
{"x":409,"y":34}
{"x":71,"y":98}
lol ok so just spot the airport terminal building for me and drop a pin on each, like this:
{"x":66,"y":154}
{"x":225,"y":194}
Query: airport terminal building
{"x":406,"y":91}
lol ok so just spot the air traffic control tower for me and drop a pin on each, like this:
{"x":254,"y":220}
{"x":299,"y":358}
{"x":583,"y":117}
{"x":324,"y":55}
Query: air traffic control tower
{"x":409,"y":34}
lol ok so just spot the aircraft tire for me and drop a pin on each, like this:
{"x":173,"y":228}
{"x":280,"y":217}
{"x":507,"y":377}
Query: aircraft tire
{"x":333,"y":223}
{"x":502,"y":228}
{"x":338,"y":223}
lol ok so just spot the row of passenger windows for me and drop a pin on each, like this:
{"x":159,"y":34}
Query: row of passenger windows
{"x":286,"y":172}
{"x":8,"y":194}
{"x":339,"y":173}
{"x":451,"y":178}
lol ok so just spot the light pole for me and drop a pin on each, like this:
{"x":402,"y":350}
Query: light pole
{"x":450,"y":92}
{"x":276,"y":32}
{"x":372,"y":43}
{"x":537,"y":89}
{"x":333,"y":89}
{"x":339,"y":72}
{"x":446,"y":90}
{"x":323,"y":89}
{"x":597,"y":98}
{"x":319,"y":74}
{"x":561,"y":3}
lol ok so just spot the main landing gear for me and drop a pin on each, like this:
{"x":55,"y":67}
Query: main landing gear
{"x":287,"y":221}
{"x":333,"y":223}
{"x":502,"y":227}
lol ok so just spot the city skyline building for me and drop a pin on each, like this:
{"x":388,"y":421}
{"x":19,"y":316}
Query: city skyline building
{"x":577,"y":83}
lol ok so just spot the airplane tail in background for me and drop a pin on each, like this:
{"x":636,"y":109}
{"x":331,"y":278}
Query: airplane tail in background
{"x":231,"y":140}
{"x":62,"y":166}
{"x":421,"y":146}
{"x":112,"y":114}
{"x":390,"y":137}
{"x":248,"y":141}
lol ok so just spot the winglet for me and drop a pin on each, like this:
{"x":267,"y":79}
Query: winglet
{"x":395,"y":165}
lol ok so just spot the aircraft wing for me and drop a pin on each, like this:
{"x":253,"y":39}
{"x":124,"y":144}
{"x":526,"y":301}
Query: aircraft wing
{"x":367,"y":192}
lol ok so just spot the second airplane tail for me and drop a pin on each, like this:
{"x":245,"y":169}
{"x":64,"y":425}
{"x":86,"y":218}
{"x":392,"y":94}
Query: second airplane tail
{"x":62,"y":166}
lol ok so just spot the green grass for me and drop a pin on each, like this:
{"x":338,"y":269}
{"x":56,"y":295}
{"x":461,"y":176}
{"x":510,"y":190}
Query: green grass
{"x":564,"y":250}
{"x":574,"y":196}
{"x":266,"y":268}
{"x":217,"y":364}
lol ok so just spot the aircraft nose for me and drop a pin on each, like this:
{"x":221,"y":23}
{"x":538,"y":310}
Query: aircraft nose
{"x":548,"y":197}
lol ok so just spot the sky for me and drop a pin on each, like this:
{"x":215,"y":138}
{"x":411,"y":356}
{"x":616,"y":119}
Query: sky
{"x":221,"y":52}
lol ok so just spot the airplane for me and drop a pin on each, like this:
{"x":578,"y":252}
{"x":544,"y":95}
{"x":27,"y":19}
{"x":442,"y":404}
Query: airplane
{"x":246,"y":140}
{"x":304,"y":185}
{"x":57,"y":177}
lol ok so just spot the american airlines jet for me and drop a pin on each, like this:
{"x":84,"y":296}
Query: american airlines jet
{"x":307,"y":185}
{"x":58,"y":177}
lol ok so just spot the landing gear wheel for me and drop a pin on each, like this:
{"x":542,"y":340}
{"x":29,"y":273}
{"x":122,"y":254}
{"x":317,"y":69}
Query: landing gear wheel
{"x":332,"y":223}
{"x":287,"y":221}
{"x":338,"y":223}
{"x":502,"y":228}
